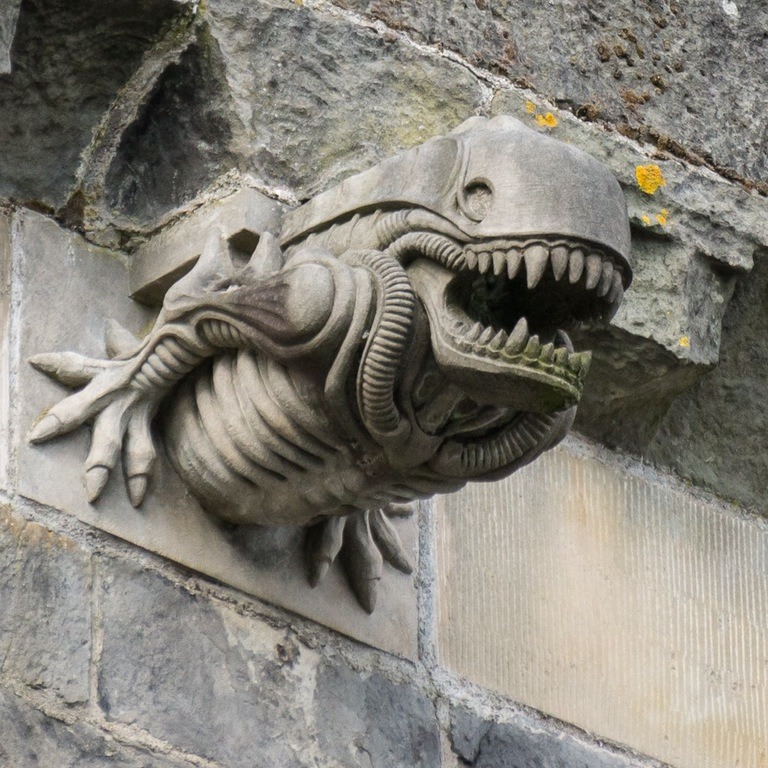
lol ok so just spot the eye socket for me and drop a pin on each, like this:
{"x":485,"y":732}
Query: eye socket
{"x":477,"y":199}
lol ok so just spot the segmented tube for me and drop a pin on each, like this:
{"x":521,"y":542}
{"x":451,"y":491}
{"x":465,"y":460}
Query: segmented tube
{"x":383,"y":353}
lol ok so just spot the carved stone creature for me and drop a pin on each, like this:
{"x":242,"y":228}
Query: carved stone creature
{"x":407,"y":334}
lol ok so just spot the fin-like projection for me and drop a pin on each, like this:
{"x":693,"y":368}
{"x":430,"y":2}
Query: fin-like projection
{"x":119,"y":341}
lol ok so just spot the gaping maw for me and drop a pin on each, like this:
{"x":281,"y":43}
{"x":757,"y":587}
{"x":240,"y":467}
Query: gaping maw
{"x":500,"y":313}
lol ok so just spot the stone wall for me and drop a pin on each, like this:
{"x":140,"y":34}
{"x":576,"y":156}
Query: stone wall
{"x":591,"y":611}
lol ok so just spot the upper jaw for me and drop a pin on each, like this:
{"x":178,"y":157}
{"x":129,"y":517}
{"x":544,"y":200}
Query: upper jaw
{"x":498,"y":317}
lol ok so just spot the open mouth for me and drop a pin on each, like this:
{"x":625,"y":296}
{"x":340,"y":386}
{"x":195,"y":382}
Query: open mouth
{"x":508,"y":304}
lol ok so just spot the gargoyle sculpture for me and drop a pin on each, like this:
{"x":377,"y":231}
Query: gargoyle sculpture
{"x":407,"y":333}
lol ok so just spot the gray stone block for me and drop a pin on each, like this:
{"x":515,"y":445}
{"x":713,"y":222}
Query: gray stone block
{"x":320,"y":98}
{"x":30,"y":739}
{"x":45,"y":609}
{"x":369,"y":720}
{"x":221,"y":686}
{"x":5,"y":344}
{"x":673,"y":72}
{"x":518,"y":744}
{"x":9,"y":14}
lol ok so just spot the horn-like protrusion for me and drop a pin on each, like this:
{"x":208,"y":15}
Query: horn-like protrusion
{"x":267,"y":258}
{"x":214,"y":261}
{"x":119,"y":340}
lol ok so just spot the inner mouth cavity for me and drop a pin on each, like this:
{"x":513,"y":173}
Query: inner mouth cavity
{"x":554,"y":286}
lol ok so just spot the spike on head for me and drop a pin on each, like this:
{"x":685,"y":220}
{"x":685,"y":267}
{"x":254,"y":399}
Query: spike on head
{"x":267,"y":258}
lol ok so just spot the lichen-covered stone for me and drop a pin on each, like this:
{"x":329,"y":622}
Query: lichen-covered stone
{"x":45,"y":609}
{"x":30,"y":739}
{"x":677,"y":72}
{"x":518,"y":744}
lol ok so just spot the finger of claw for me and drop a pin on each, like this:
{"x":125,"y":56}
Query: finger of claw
{"x":67,"y":367}
{"x":137,"y":489}
{"x":95,"y":480}
{"x":363,"y":563}
{"x":49,"y":427}
{"x":389,"y":542}
{"x":326,"y":549}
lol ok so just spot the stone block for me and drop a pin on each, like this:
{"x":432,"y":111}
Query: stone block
{"x":242,"y":217}
{"x":674,"y":72}
{"x":611,"y":601}
{"x":369,"y":720}
{"x":30,"y":739}
{"x":45,"y":609}
{"x":5,"y":344}
{"x":320,"y":98}
{"x":68,"y":312}
{"x":520,"y":743}
{"x":221,"y":685}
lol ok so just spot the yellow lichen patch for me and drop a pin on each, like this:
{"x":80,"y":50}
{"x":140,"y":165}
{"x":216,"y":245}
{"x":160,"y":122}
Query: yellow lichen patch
{"x":663,"y":217}
{"x":646,"y":219}
{"x":684,"y":342}
{"x":530,"y":107}
{"x":546,"y":121}
{"x":649,"y":178}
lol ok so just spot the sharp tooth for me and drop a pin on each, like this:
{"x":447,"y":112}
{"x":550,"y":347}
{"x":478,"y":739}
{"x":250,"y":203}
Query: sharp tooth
{"x":498,"y":341}
{"x":499,"y":262}
{"x":518,"y":337}
{"x":533,"y":348}
{"x":474,"y":332}
{"x":536,"y":260}
{"x":547,"y":353}
{"x":575,"y":265}
{"x":471,"y":257}
{"x":561,"y":356}
{"x":484,"y":261}
{"x":485,"y":336}
{"x":594,"y":268}
{"x":563,"y":338}
{"x":617,"y":288}
{"x":514,"y":260}
{"x":586,"y":359}
{"x":559,"y":256}
{"x":606,"y":279}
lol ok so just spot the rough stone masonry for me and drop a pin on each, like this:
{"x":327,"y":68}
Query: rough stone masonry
{"x":123,"y":119}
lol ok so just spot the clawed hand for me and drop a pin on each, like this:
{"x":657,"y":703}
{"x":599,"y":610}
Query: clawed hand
{"x":364,"y":540}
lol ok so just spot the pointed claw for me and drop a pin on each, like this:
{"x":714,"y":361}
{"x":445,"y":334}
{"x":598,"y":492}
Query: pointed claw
{"x":95,"y":479}
{"x":363,"y":562}
{"x":49,"y":427}
{"x":137,"y":489}
{"x":389,"y":542}
{"x":119,"y":340}
{"x":67,"y":367}
{"x":323,"y":547}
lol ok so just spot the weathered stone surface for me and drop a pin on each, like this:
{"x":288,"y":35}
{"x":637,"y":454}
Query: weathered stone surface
{"x":715,"y":434}
{"x":170,"y":522}
{"x":5,"y":344}
{"x":45,"y":609}
{"x":518,"y":744}
{"x":30,"y":739}
{"x":216,"y":684}
{"x":69,"y":59}
{"x":181,"y":140}
{"x":321,"y":98}
{"x":691,"y":240}
{"x":9,"y":14}
{"x":613,"y":602}
{"x":368,"y":720}
{"x":685,"y":71}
